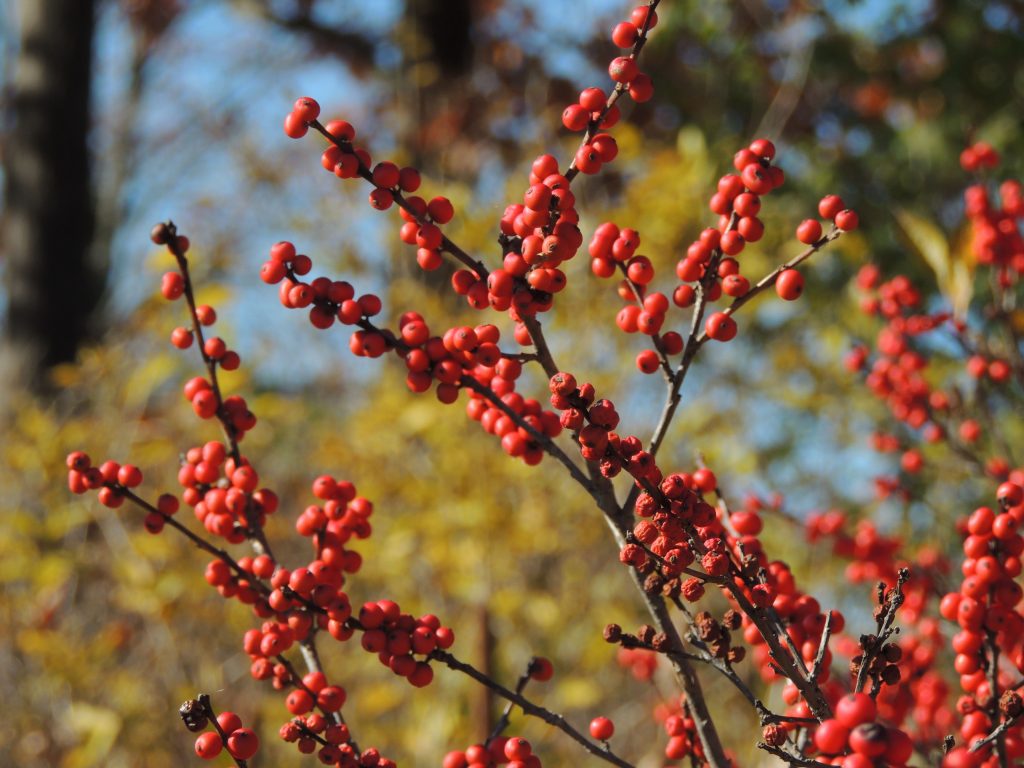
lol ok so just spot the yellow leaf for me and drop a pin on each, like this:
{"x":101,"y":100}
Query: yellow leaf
{"x":97,"y":727}
{"x":960,"y":288}
{"x":929,"y":241}
{"x":953,"y":267}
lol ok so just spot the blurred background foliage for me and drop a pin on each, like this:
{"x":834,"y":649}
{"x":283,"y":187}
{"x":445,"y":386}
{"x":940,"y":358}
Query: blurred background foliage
{"x":105,"y":629}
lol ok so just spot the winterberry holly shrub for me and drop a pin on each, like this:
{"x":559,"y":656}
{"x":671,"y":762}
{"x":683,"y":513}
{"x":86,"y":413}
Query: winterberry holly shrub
{"x":928,"y":674}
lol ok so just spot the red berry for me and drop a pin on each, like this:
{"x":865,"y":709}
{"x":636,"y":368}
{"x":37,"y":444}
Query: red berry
{"x":743,"y":158}
{"x":640,"y":15}
{"x":172,"y":285}
{"x":588,"y":160}
{"x":592,"y":99}
{"x":229,"y":721}
{"x":341,"y":130}
{"x":518,"y":749}
{"x":855,"y":708}
{"x":869,"y":739}
{"x":757,"y":179}
{"x":641,"y":88}
{"x":789,"y":284}
{"x":575,"y":117}
{"x":409,"y":179}
{"x":763,"y":148}
{"x":732,"y":243}
{"x":208,"y":745}
{"x":542,"y":669}
{"x":441,"y":210}
{"x":243,"y":743}
{"x":720,"y":327}
{"x":830,"y":737}
{"x":129,"y":476}
{"x":625,"y":34}
{"x":306,"y":109}
{"x":386,"y":174}
{"x":299,"y":702}
{"x":809,"y":231}
{"x":623,"y":69}
{"x":735,"y":285}
{"x":648,"y":361}
{"x":830,"y":205}
{"x":847,"y":220}
{"x":601,"y":728}
{"x":1010,"y":494}
{"x":381,"y":199}
{"x":294,"y":126}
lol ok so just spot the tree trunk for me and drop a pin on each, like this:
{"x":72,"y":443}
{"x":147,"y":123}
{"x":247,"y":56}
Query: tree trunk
{"x":48,"y":210}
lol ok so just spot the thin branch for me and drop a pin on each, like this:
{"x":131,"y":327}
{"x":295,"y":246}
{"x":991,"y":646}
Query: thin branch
{"x":446,"y":243}
{"x":791,"y":758}
{"x":199,"y":541}
{"x":769,"y":280}
{"x":253,"y":532}
{"x":549,"y":445}
{"x":503,"y":721}
{"x":891,"y":602}
{"x":529,"y":708}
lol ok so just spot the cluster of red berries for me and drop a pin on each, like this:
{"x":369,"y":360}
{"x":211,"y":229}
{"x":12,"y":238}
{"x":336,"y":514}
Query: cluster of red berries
{"x":737,"y":202}
{"x":215,"y":349}
{"x":224,"y":492}
{"x":517,"y":441}
{"x":995,"y":234}
{"x":595,"y":110}
{"x":421,"y":218}
{"x":669,"y":507}
{"x":172,"y":287}
{"x":514,"y":751}
{"x":397,"y":638}
{"x":242,"y":743}
{"x":853,"y":738}
{"x":979,"y":156}
{"x":308,"y":732}
{"x":110,"y":479}
{"x":233,"y":410}
{"x":442,"y":360}
{"x":683,"y":739}
{"x":897,"y":374}
{"x":592,"y":422}
{"x":986,"y":609}
{"x":542,"y":233}
{"x":206,"y":400}
{"x":612,"y":248}
{"x":223,"y":489}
